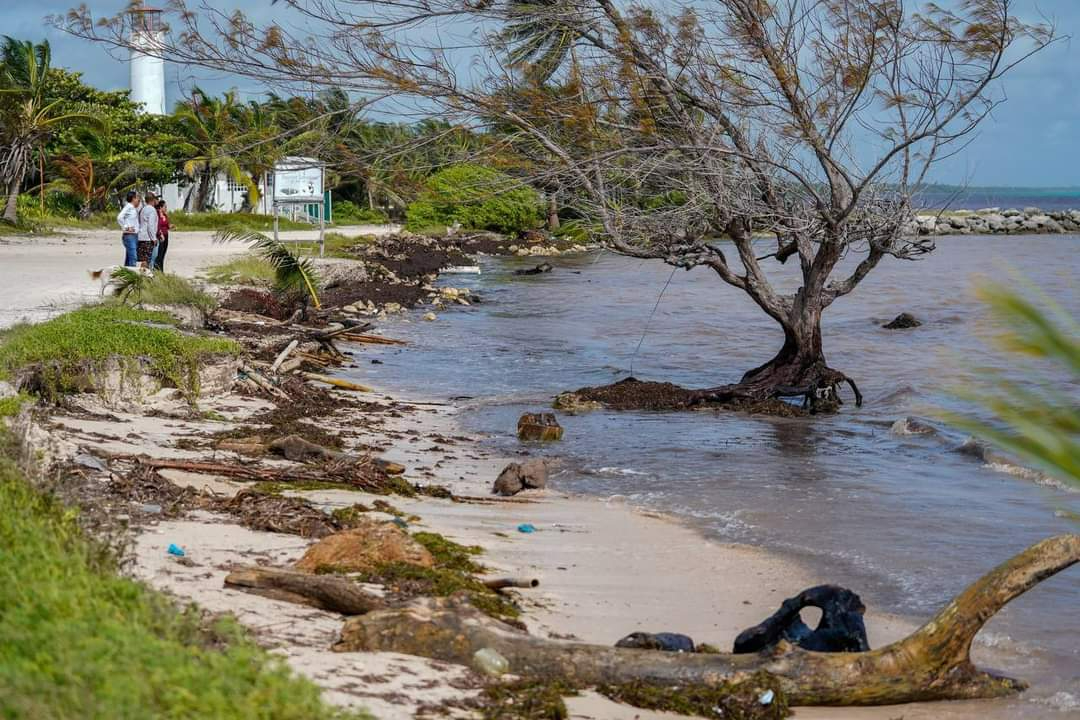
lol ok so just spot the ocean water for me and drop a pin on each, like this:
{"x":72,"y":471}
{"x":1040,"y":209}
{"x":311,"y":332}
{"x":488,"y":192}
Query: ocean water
{"x":905,"y":520}
{"x":977,"y":198}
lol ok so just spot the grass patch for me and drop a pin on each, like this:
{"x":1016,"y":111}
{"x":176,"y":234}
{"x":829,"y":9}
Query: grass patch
{"x":10,"y":406}
{"x":79,"y":640}
{"x":449,"y":554}
{"x":66,"y":346}
{"x":244,"y":270}
{"x":181,"y":221}
{"x":163,"y":289}
{"x":337,"y":245}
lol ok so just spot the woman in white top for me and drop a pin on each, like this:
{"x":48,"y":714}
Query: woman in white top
{"x":129,"y":226}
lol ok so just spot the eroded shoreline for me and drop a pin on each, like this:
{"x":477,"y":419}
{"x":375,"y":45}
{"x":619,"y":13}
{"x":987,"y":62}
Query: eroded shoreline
{"x":606,"y":569}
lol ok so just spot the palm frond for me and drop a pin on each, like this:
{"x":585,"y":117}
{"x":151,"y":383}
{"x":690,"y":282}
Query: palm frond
{"x":292,"y":271}
{"x":1040,"y":425}
{"x":129,"y":283}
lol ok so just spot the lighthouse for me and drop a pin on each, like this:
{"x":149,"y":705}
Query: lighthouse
{"x":147,"y":63}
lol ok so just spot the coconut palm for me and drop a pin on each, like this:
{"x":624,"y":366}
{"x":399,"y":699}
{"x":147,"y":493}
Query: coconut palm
{"x":292,"y":272}
{"x":93,"y":170}
{"x":212,"y":138}
{"x":28,"y":115}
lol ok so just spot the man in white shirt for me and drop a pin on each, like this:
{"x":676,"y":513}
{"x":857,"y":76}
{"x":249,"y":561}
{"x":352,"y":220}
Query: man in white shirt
{"x":129,"y":226}
{"x":148,"y":222}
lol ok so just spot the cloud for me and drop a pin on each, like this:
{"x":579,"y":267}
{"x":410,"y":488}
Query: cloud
{"x":1027,"y":142}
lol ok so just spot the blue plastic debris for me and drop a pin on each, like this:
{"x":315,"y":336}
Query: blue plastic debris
{"x":176,"y":550}
{"x":526,"y":528}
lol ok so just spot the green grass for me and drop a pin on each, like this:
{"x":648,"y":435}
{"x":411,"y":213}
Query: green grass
{"x":66,"y":346}
{"x":10,"y":406}
{"x":243,"y":270}
{"x":77,"y":640}
{"x":164,"y":289}
{"x":181,"y":221}
{"x":337,"y":244}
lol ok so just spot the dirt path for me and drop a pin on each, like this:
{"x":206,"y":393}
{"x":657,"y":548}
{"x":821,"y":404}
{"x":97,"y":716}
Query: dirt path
{"x":41,"y":276}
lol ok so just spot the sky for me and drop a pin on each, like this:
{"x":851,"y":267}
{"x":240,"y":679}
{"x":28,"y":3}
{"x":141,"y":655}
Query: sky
{"x":1032,"y":140}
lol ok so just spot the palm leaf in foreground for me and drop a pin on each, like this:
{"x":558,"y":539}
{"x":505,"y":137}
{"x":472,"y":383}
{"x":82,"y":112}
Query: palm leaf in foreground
{"x":128,"y":283}
{"x":1040,"y":425}
{"x":292,"y":271}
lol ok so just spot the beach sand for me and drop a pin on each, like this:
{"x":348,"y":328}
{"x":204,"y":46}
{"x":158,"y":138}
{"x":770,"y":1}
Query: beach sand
{"x":606,"y":569}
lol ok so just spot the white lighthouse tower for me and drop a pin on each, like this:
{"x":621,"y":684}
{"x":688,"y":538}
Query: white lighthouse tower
{"x":147,"y":63}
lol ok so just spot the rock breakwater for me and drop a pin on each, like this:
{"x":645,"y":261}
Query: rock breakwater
{"x":995,"y":221}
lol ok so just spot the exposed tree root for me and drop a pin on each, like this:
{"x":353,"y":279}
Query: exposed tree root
{"x":931,"y":664}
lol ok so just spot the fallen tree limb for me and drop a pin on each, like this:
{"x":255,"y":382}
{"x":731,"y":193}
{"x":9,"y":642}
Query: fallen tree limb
{"x":327,"y":592}
{"x":930,"y":664}
{"x":371,"y":339}
{"x":336,"y":382}
{"x":283,"y":355}
{"x":503,"y":583}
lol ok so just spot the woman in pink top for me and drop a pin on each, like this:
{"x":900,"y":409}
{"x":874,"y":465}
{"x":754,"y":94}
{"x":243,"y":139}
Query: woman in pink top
{"x":163,"y":236}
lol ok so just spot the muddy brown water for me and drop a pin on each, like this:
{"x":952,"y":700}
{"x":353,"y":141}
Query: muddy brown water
{"x":905,"y":520}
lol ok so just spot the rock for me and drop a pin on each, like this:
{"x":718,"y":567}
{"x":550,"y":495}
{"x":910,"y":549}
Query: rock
{"x":351,"y":309}
{"x":450,"y":293}
{"x":539,"y":269}
{"x":515,"y":477}
{"x":7,"y":390}
{"x":668,"y":642}
{"x":392,"y":307}
{"x":841,"y":628}
{"x":89,"y":461}
{"x":903,"y":321}
{"x":330,"y":327}
{"x":509,"y":481}
{"x":539,"y":427}
{"x":430,"y":316}
{"x":364,"y":548}
{"x":912,"y":426}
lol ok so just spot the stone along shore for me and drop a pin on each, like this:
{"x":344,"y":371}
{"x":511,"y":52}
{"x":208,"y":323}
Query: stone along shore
{"x":994,"y":221}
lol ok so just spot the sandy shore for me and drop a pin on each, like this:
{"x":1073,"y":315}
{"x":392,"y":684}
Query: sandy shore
{"x":47,"y":274}
{"x":606,"y":569}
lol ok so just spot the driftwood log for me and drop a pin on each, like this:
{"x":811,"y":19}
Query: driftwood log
{"x":932,"y":663}
{"x":328,"y":592}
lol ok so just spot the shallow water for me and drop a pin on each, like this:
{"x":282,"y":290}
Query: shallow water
{"x":905,"y":520}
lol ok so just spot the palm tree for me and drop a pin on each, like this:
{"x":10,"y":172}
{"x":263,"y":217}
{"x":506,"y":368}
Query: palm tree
{"x":92,"y":169}
{"x":28,"y":116}
{"x":212,"y":139}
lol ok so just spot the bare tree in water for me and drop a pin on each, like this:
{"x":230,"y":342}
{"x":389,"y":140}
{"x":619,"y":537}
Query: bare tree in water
{"x":734,"y":135}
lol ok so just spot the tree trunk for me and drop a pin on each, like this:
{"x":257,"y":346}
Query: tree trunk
{"x":552,"y":213}
{"x":11,"y":207}
{"x":931,"y":664}
{"x":798,"y":369}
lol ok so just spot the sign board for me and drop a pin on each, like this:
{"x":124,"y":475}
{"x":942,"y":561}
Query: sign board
{"x":298,"y":180}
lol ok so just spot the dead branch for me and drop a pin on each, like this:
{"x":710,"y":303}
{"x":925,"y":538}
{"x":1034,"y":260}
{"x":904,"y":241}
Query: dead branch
{"x":931,"y":664}
{"x":327,"y":592}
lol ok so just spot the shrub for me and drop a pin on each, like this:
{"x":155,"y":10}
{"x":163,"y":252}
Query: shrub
{"x":347,"y":212}
{"x":476,"y":197}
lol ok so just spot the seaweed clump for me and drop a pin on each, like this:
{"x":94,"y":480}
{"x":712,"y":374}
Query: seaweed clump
{"x":755,"y":698}
{"x":526,"y":700}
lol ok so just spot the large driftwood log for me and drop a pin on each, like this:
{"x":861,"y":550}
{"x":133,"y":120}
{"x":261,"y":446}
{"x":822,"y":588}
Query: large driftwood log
{"x":931,"y":664}
{"x":328,"y":592}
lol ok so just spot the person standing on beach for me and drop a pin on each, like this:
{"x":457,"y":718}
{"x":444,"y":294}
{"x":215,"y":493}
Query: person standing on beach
{"x":129,"y":227}
{"x":148,"y":225}
{"x":162,"y":235}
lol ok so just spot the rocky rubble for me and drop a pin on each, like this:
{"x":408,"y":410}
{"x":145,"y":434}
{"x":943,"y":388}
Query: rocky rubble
{"x":994,"y":221}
